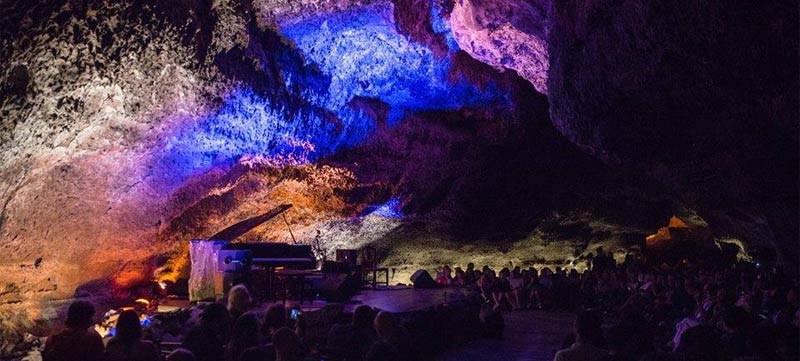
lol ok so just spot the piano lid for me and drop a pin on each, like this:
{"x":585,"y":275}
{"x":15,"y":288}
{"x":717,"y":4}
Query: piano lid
{"x":238,"y":229}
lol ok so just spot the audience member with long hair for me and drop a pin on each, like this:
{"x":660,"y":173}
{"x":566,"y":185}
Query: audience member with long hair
{"x":127,"y":344}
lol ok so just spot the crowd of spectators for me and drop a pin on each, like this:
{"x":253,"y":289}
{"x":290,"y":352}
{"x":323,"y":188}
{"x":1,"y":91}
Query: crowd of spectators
{"x":627,"y":311}
{"x":732,"y":311}
{"x":233,"y":333}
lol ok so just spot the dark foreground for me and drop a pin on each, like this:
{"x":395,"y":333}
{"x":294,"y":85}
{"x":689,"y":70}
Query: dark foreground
{"x":529,"y":335}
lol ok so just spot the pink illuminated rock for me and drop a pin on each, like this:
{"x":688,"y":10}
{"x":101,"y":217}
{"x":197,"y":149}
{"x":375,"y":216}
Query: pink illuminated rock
{"x":505,"y":34}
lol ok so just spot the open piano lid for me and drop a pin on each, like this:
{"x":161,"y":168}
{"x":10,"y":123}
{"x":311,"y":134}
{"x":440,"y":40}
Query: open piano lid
{"x":238,"y":229}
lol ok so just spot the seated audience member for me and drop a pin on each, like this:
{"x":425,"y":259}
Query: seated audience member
{"x":700,"y":343}
{"x":274,"y":318}
{"x":469,"y":274}
{"x":501,"y":289}
{"x":734,"y":340}
{"x":76,"y":342}
{"x":460,"y":278}
{"x":485,"y":285}
{"x":180,"y":354}
{"x":517,"y":284}
{"x":382,"y":351}
{"x":588,"y":334}
{"x":286,"y":344}
{"x":127,"y":344}
{"x":207,"y":340}
{"x":354,"y":339}
{"x":238,"y":301}
{"x":391,"y":338}
{"x":244,"y":335}
{"x":618,"y":345}
{"x":444,"y":277}
{"x":388,"y":329}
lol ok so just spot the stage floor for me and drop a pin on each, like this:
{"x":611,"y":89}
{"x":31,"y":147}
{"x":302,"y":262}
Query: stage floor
{"x":528,"y":336}
{"x":395,"y":300}
{"x":405,"y":299}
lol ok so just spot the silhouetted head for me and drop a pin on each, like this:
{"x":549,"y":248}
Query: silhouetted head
{"x":286,"y":343}
{"x":588,"y":327}
{"x":128,"y":327}
{"x":80,"y":315}
{"x":245,"y":330}
{"x":214,"y":312}
{"x":274,"y":318}
{"x":363,"y":316}
{"x":386,"y":326}
{"x":215,"y":318}
{"x":238,"y":299}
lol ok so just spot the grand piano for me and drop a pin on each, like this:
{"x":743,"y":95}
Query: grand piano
{"x":219,"y":262}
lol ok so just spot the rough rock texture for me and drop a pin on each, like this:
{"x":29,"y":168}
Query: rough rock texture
{"x":701,"y":96}
{"x":505,"y":34}
{"x":130,"y":127}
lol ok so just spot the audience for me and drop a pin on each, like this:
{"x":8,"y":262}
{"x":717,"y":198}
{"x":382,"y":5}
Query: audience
{"x":588,"y":339}
{"x":444,"y":277}
{"x":687,"y":312}
{"x":207,"y":340}
{"x":274,"y":319}
{"x":127,"y":344}
{"x":238,"y":301}
{"x":352,"y":341}
{"x":287,"y":345}
{"x":76,"y":342}
{"x":244,"y":335}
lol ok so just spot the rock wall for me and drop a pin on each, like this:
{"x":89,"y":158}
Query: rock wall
{"x":506,"y":34}
{"x":700,"y":96}
{"x":130,"y":127}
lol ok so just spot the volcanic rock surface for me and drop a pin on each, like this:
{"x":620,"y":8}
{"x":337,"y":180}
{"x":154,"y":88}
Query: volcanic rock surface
{"x":506,"y":34}
{"x":420,"y":127}
{"x":702,"y":97}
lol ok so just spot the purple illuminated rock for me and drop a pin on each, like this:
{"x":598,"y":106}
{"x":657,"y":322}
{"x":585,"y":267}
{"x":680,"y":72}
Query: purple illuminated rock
{"x":505,"y":34}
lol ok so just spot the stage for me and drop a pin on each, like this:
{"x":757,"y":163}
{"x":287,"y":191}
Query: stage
{"x":391,"y":299}
{"x":405,"y":299}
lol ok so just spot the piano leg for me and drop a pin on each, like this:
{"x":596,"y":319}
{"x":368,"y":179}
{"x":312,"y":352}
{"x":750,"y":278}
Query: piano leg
{"x":270,"y":284}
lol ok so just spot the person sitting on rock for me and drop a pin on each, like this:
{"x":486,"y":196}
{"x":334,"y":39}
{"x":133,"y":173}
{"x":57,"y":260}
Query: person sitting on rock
{"x":76,"y":342}
{"x":127,"y":344}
